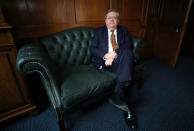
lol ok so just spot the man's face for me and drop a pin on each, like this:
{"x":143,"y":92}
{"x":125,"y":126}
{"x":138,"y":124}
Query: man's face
{"x":111,"y":21}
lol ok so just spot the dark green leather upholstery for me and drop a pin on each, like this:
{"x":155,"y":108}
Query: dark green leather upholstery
{"x":63,"y":61}
{"x":69,"y":46}
{"x":93,"y":81}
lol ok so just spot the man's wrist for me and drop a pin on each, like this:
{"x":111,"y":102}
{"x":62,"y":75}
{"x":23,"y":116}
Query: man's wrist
{"x":115,"y":54}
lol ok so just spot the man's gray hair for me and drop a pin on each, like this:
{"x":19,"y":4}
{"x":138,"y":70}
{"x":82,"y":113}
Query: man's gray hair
{"x":112,"y":10}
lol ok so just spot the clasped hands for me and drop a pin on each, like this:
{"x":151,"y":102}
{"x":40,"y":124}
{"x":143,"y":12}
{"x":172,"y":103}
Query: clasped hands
{"x":109,"y":58}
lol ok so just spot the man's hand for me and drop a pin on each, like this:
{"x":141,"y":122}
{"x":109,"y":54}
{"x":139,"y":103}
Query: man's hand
{"x":109,"y":58}
{"x":108,"y":62}
{"x":110,"y":55}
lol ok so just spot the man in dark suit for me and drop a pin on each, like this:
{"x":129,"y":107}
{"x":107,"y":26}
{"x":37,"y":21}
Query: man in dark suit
{"x":112,"y":50}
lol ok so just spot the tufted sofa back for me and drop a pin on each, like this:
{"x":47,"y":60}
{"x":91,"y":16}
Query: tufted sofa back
{"x":70,"y":46}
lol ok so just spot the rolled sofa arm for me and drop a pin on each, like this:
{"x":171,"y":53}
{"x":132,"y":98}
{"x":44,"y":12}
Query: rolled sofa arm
{"x":32,"y":57}
{"x":31,"y":51}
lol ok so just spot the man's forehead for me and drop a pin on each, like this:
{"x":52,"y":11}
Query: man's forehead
{"x":111,"y":13}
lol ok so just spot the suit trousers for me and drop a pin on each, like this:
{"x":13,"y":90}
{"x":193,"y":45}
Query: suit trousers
{"x":122,"y":67}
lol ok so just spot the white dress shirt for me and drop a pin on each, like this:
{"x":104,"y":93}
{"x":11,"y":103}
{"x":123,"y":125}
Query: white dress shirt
{"x":109,"y":39}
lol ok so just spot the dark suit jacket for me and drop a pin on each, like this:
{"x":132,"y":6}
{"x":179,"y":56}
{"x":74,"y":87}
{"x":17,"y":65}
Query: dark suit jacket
{"x":99,"y":46}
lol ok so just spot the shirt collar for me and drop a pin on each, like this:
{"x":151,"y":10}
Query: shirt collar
{"x":114,"y":30}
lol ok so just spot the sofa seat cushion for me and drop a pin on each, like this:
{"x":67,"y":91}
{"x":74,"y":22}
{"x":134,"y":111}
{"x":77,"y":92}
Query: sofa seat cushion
{"x":82,"y":82}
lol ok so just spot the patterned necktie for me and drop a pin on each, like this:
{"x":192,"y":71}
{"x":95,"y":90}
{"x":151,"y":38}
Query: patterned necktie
{"x":113,"y":41}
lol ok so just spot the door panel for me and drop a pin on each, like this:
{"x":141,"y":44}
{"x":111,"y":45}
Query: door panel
{"x":165,"y":45}
{"x":170,"y":29}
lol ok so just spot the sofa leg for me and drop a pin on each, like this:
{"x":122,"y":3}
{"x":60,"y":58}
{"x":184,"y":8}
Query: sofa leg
{"x":62,"y":125}
{"x":60,"y":119}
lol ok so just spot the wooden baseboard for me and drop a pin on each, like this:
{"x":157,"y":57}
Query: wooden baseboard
{"x":18,"y":111}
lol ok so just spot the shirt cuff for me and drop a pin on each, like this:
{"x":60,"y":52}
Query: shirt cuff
{"x":104,"y":58}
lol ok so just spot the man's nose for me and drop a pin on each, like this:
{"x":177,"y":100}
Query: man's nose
{"x":112,"y":19}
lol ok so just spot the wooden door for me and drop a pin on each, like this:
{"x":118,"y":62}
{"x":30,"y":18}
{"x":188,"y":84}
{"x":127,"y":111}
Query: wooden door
{"x":170,"y":28}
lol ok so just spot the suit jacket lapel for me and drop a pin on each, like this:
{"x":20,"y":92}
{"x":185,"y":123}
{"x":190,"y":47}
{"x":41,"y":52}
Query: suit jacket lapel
{"x":105,"y":38}
{"x":119,"y":35}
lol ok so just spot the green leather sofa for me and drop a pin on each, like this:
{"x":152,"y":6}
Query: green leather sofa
{"x":63,"y":61}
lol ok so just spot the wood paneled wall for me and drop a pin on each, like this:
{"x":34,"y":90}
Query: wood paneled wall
{"x":34,"y":18}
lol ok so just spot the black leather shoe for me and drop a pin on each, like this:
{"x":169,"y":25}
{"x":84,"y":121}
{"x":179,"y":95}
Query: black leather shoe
{"x":130,"y":120}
